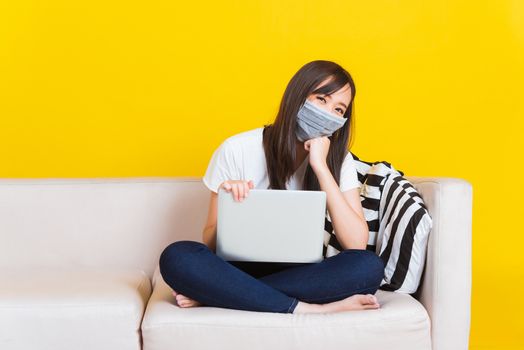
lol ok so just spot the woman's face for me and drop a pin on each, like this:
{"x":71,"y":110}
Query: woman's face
{"x":336,"y":103}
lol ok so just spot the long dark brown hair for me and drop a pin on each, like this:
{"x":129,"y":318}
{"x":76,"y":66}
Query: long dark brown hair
{"x":279,"y":138}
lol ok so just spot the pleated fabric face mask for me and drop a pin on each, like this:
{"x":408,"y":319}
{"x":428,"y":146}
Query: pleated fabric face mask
{"x":313,"y":121}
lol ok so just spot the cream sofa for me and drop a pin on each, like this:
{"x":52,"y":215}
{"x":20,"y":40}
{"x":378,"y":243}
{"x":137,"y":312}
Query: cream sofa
{"x":79,"y":270}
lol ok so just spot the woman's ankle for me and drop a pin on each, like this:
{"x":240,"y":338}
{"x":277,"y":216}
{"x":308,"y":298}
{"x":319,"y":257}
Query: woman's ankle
{"x":304,"y":308}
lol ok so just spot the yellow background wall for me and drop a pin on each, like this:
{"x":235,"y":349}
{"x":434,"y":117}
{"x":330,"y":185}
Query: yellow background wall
{"x":132,"y":88}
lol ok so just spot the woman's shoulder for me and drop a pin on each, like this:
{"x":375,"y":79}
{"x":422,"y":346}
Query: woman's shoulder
{"x":349,"y":156}
{"x":349,"y":161}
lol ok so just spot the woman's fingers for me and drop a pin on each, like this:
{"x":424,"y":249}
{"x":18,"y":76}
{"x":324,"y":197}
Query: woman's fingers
{"x":238,"y":188}
{"x":227,"y":186}
{"x":234,"y":190}
{"x":246,"y":189}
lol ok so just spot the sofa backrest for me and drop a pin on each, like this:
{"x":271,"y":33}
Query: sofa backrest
{"x":127,"y":222}
{"x":104,"y":222}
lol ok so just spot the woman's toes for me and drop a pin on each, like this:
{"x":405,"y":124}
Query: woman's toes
{"x":184,"y":301}
{"x":372,"y":300}
{"x":363,"y":299}
{"x":368,"y":299}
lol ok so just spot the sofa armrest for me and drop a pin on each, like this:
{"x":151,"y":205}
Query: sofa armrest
{"x":445,"y":289}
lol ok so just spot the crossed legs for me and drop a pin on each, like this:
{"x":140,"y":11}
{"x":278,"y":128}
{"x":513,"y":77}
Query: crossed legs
{"x":342,"y":282}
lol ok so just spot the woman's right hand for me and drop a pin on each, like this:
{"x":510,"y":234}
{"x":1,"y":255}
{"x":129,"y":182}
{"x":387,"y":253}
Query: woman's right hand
{"x":239,"y":188}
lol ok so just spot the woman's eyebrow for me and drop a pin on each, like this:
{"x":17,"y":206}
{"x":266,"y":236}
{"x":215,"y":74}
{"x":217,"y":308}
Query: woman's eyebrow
{"x":340,"y":103}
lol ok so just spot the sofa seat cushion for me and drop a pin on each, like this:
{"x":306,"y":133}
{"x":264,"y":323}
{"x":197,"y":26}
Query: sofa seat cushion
{"x":78,"y":308}
{"x":401,"y":323}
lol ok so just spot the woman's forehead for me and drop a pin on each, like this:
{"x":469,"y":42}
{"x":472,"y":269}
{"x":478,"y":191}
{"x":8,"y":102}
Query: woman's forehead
{"x":343,"y":93}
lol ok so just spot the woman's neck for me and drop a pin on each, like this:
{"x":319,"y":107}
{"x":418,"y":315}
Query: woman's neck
{"x":300,"y":155}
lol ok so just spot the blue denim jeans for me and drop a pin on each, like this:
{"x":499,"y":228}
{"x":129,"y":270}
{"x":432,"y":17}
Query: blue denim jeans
{"x":194,"y":270}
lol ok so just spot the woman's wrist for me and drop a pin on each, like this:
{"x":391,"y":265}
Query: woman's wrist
{"x":320,"y":167}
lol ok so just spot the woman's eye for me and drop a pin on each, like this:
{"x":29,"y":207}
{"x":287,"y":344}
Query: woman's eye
{"x":340,"y":110}
{"x":321,"y":98}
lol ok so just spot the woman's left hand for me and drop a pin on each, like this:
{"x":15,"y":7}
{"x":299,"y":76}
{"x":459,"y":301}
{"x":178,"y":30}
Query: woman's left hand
{"x":318,"y":149}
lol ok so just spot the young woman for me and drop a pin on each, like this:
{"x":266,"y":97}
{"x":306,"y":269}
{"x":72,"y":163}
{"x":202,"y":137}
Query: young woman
{"x":305,"y":148}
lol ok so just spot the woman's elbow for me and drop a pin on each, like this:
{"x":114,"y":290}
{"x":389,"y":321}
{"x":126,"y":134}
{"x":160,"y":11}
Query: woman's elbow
{"x":363,"y":241}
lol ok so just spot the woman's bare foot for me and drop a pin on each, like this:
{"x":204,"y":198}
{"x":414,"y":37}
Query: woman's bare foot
{"x":354,"y":302}
{"x":184,"y":301}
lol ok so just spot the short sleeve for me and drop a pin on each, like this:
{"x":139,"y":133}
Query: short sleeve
{"x":348,"y":174}
{"x":221,"y":167}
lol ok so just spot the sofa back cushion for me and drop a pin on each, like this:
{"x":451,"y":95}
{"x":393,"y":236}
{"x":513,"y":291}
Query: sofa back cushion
{"x":97,"y":222}
{"x":405,"y":225}
{"x":372,"y":176}
{"x":398,"y":221}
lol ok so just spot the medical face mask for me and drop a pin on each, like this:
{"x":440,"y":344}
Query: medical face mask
{"x":313,"y":121}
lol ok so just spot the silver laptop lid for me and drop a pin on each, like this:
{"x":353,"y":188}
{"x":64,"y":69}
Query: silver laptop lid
{"x":271,"y":226}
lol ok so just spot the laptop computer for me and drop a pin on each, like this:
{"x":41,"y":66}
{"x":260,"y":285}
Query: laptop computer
{"x":279,"y":226}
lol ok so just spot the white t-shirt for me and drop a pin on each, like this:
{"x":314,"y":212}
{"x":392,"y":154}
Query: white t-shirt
{"x":242,"y":157}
